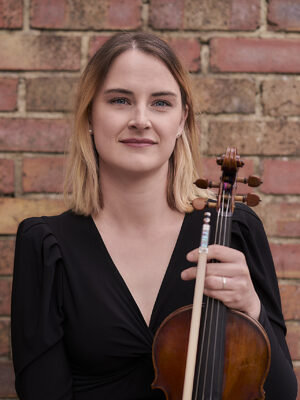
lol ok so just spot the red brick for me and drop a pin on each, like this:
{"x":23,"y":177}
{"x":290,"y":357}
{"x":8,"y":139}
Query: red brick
{"x":95,"y":43}
{"x":5,"y":290}
{"x":124,"y":14}
{"x":281,"y":97}
{"x":7,"y":248}
{"x":281,"y":219}
{"x":14,"y":210}
{"x":7,"y":178}
{"x":245,"y":15}
{"x":254,"y":137}
{"x":51,"y":94}
{"x":11,"y":14}
{"x":220,"y":15}
{"x":212,"y":171}
{"x":281,"y":177}
{"x":290,"y":297}
{"x":166,"y":15}
{"x":215,"y":95}
{"x":286,"y":259}
{"x":284,"y":15}
{"x":4,"y":338}
{"x":8,"y":94}
{"x":293,"y":339}
{"x":255,"y":55}
{"x":44,"y":52}
{"x":43,"y":174}
{"x":7,"y":380}
{"x":83,"y":15}
{"x":49,"y":135}
{"x":188,"y":51}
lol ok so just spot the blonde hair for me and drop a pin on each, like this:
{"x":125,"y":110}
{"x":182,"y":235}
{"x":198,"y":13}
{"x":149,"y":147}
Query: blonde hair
{"x":82,"y":188}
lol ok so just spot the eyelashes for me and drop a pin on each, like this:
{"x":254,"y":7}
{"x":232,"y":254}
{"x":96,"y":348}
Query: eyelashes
{"x":124,"y":100}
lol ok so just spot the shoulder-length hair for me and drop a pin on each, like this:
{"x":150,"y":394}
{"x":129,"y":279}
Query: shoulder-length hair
{"x":82,"y":188}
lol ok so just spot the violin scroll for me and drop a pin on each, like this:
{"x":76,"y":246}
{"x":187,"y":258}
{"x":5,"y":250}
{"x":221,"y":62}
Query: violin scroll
{"x":230,"y":163}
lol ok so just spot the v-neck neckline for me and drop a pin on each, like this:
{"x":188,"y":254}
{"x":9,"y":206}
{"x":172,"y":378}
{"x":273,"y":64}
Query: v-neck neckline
{"x":122,"y":280}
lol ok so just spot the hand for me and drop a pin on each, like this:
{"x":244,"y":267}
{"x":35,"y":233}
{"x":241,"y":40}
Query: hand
{"x":228,"y":280}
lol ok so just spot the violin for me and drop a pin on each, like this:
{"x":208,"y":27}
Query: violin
{"x":206,"y":351}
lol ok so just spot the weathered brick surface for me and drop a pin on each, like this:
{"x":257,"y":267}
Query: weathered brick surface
{"x":18,"y":134}
{"x":7,"y":248}
{"x":44,"y":52}
{"x":293,"y":339}
{"x":8,"y":94}
{"x":286,"y":259}
{"x":13,"y":211}
{"x":281,"y":219}
{"x":188,"y":50}
{"x":284,"y":15}
{"x":89,"y":14}
{"x":281,"y":177}
{"x":255,"y":55}
{"x":4,"y":338}
{"x":278,"y":137}
{"x":7,"y":379}
{"x":281,"y":97}
{"x":11,"y":14}
{"x":43,"y":174}
{"x":51,"y":94}
{"x":7,"y":178}
{"x":5,"y":290}
{"x":205,"y":15}
{"x":290,"y":295}
{"x":215,"y":95}
{"x":95,"y":43}
{"x":166,"y":14}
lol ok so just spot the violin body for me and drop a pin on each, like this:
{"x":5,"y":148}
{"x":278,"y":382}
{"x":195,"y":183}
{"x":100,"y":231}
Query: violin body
{"x":246,"y":356}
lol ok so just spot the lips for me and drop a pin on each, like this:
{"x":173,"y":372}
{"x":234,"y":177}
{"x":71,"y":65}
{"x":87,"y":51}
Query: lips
{"x":138,"y":141}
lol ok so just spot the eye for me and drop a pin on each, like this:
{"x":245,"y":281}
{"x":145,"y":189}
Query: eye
{"x":162,"y":103}
{"x":119,"y":100}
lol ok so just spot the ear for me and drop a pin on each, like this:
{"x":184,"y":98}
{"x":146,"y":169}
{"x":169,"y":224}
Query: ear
{"x":185,"y":113}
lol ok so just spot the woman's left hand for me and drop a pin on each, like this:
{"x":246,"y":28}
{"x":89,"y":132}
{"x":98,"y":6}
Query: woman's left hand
{"x":227,"y":280}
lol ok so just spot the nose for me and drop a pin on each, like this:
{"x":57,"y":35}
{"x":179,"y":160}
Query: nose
{"x":139,"y":119}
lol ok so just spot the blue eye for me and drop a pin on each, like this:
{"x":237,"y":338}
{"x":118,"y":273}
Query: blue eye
{"x":162,"y":103}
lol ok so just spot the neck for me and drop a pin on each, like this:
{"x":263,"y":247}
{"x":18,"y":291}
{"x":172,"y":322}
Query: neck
{"x":133,"y":201}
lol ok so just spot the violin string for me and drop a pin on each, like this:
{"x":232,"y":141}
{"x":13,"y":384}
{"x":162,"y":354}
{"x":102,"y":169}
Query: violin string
{"x":205,"y":316}
{"x":224,"y":217}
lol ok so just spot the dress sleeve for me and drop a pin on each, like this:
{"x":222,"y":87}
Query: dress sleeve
{"x":248,"y":236}
{"x":39,"y":358}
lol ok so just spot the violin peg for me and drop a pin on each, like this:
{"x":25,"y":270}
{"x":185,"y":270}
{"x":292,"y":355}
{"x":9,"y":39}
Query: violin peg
{"x":199,"y":203}
{"x":252,"y":180}
{"x":205,"y":183}
{"x":251,"y":199}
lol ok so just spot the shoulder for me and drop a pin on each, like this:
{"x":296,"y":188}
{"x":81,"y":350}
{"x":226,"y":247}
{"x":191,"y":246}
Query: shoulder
{"x":40,"y":227}
{"x":244,"y":215}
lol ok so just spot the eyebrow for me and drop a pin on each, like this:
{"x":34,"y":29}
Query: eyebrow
{"x":125,"y":91}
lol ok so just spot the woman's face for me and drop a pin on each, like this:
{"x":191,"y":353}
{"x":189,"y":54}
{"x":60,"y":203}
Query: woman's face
{"x":137,"y":114}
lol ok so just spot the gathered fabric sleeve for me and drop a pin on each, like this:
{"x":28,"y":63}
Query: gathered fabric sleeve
{"x":248,"y":236}
{"x":39,"y":357}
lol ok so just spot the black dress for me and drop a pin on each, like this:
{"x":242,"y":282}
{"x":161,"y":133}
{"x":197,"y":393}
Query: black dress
{"x":77,"y":332}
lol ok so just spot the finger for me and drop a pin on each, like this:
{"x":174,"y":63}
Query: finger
{"x":199,"y":204}
{"x":227,"y":269}
{"x":224,"y":254}
{"x":217,"y":283}
{"x":189,"y":274}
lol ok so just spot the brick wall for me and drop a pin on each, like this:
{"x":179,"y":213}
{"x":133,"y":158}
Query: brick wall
{"x":244,"y":57}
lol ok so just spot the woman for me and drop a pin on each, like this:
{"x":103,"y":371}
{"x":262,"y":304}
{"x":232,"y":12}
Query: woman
{"x":92,"y":285}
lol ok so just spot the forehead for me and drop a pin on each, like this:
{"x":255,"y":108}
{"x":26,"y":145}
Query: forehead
{"x":135,"y":69}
